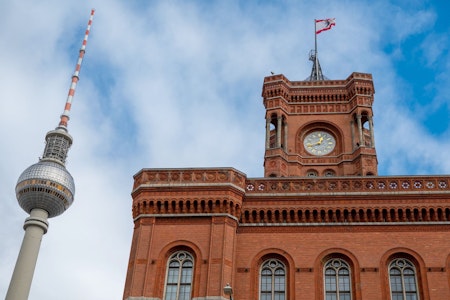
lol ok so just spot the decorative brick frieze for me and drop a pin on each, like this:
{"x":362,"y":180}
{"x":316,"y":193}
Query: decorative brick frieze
{"x":350,"y":185}
{"x":188,"y":191}
{"x":320,"y":91}
{"x":190,"y":177}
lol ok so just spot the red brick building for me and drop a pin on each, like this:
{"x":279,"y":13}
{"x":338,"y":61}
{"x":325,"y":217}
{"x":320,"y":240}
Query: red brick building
{"x":320,"y":224}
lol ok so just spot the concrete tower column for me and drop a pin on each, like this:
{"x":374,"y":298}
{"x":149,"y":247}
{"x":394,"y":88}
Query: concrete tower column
{"x":35,"y":227}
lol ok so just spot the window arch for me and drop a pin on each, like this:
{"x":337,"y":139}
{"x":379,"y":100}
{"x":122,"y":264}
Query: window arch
{"x":312,"y":173}
{"x":272,"y":279}
{"x":403,"y":280}
{"x":337,"y":280}
{"x":329,"y":173}
{"x":180,"y":267}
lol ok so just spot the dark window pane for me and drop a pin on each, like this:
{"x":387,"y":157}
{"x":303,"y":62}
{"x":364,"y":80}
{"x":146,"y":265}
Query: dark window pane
{"x":331,"y":296}
{"x":330,"y":272}
{"x":344,"y":296}
{"x":344,"y":283}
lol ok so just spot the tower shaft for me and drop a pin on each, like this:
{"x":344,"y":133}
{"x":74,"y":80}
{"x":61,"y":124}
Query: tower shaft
{"x":35,"y":227}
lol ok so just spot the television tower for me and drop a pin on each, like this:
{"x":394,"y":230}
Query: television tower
{"x":45,"y":190}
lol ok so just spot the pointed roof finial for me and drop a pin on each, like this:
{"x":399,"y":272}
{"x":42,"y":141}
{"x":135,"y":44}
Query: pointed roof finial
{"x":75,"y":76}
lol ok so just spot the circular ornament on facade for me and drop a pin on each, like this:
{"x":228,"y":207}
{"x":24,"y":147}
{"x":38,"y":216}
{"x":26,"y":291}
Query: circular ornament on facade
{"x":370,"y":185}
{"x":393,"y":185}
{"x":319,"y":143}
{"x":442,"y":184}
{"x":261,"y":187}
{"x":418,"y":184}
{"x":381,"y":185}
{"x":405,"y":185}
{"x":250,"y":187}
{"x":430,"y":185}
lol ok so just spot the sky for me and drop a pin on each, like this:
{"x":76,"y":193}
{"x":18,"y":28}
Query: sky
{"x":172,"y":84}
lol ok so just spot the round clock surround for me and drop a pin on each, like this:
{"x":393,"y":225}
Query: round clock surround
{"x":319,"y":142}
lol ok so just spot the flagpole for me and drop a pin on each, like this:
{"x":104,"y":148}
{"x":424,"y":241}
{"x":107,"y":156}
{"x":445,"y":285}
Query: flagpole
{"x":315,"y":50}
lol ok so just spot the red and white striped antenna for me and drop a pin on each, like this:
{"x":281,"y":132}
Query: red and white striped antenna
{"x":75,"y":76}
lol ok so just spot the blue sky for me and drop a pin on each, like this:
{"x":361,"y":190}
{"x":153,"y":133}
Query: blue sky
{"x":169,"y":84}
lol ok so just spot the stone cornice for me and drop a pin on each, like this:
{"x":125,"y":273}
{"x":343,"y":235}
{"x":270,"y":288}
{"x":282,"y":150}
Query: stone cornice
{"x":447,"y":223}
{"x":185,"y":215}
{"x":375,"y":227}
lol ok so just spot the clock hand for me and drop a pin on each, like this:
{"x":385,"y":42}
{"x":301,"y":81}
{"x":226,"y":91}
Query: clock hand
{"x":316,"y":143}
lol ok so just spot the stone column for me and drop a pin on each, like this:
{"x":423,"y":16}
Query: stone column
{"x":353,"y":133}
{"x":279,"y":132}
{"x":267,"y":132}
{"x":360,"y":131}
{"x":285,"y":137}
{"x":372,"y":136}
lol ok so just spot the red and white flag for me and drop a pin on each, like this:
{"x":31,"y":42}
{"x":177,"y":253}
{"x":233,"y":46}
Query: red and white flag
{"x":325,"y":24}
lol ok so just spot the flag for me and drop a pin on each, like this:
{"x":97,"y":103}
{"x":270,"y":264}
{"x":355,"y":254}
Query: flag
{"x":325,"y":24}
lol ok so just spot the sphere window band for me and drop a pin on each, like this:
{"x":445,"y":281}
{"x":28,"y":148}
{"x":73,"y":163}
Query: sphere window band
{"x":319,"y":143}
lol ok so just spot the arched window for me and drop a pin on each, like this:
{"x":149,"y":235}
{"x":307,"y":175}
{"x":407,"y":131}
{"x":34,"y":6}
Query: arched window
{"x":272,"y":280}
{"x":329,"y":173}
{"x":403,"y":281}
{"x":179,"y":276}
{"x":312,"y":173}
{"x":337,"y":280}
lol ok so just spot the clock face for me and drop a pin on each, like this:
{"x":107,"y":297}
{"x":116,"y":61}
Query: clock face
{"x":319,"y":143}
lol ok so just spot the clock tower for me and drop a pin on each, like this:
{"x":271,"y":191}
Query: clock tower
{"x":319,"y":127}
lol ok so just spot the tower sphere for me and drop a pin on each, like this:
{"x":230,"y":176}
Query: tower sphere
{"x":46,"y":185}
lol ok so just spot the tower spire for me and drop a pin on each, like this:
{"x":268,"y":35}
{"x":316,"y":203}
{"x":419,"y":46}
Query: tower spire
{"x":44,"y":190}
{"x":75,"y":76}
{"x":58,"y":141}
